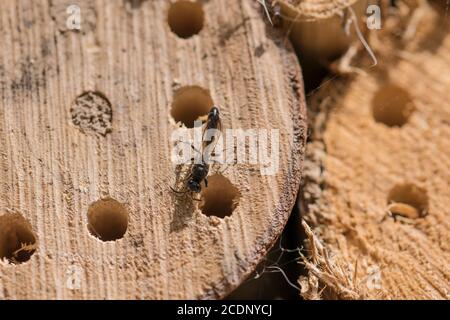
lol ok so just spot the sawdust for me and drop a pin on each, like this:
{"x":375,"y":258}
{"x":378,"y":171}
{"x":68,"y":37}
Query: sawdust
{"x":91,"y":112}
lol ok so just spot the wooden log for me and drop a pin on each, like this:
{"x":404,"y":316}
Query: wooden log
{"x":323,"y":33}
{"x":317,"y":28}
{"x":376,"y":191}
{"x":86,"y":118}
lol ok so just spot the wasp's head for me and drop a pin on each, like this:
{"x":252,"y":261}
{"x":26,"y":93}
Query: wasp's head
{"x":214,"y":113}
{"x":194,"y":186}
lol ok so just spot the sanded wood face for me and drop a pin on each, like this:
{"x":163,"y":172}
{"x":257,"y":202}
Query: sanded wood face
{"x":85,"y":166}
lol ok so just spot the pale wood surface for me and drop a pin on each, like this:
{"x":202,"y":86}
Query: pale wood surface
{"x":51,"y":171}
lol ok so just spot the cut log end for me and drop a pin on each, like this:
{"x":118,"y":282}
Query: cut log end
{"x":86,"y":126}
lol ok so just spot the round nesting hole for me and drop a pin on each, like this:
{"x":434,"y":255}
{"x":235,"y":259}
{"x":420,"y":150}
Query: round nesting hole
{"x":107,"y":219}
{"x":17,"y":239}
{"x":186,"y":18}
{"x":220,"y":198}
{"x":392,"y":105}
{"x":190,"y":103}
{"x":408,"y":200}
{"x":91,"y":112}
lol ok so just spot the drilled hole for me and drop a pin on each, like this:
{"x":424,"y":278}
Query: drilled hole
{"x":408,"y":200}
{"x":185,"y":18}
{"x":190,"y":103}
{"x":91,"y":112}
{"x":107,"y":219}
{"x":220,"y":198}
{"x":17,"y":239}
{"x":392,"y":105}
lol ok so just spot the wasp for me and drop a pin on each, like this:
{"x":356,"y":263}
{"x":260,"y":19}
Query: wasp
{"x":273,"y":12}
{"x":199,"y":172}
{"x":277,"y":18}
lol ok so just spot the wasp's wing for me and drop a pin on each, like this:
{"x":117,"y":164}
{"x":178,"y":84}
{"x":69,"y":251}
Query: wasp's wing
{"x":209,"y":142}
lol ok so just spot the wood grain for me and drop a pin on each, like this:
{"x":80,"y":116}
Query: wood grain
{"x":51,"y":171}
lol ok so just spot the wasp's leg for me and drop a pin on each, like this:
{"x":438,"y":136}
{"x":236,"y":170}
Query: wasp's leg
{"x":179,"y":192}
{"x":192,"y":146}
{"x":226,"y":163}
{"x":206,"y":182}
